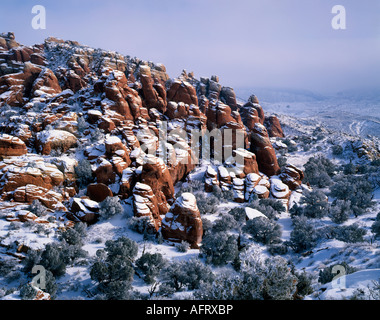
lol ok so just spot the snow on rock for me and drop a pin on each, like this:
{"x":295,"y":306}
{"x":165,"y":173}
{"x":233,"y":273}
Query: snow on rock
{"x":183,"y":222}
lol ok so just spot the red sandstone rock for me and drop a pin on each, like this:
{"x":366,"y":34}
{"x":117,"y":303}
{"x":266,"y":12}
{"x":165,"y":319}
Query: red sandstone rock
{"x":11,"y":146}
{"x":183,"y":222}
{"x":262,"y":147}
{"x":274,"y":127}
{"x":98,"y":192}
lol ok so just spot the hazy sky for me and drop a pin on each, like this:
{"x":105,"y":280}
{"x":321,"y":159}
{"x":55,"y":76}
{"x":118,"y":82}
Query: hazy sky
{"x":248,"y":43}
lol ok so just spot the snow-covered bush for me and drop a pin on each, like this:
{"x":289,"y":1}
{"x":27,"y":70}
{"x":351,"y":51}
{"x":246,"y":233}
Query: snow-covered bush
{"x":303,"y":235}
{"x":340,"y":211}
{"x":219,"y":248}
{"x":315,"y":203}
{"x":150,"y":265}
{"x":337,"y":150}
{"x":224,"y":223}
{"x":190,"y":274}
{"x":75,"y":235}
{"x":83,"y":172}
{"x":113,"y":270}
{"x":139,"y":224}
{"x":239,"y":214}
{"x":350,"y":234}
{"x":318,"y":171}
{"x":376,"y":226}
{"x":183,"y":246}
{"x":354,"y":188}
{"x":110,"y":207}
{"x":207,"y":204}
{"x":37,"y":208}
{"x":263,"y":230}
{"x":28,"y":292}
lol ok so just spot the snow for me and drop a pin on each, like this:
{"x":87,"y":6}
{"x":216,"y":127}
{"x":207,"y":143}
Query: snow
{"x":343,"y":287}
{"x":253,"y":213}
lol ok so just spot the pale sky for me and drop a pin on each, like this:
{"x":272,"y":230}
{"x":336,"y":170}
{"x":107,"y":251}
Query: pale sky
{"x":248,"y":43}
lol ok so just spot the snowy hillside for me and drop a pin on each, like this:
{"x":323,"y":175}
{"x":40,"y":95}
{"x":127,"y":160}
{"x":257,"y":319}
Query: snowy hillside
{"x":104,"y":188}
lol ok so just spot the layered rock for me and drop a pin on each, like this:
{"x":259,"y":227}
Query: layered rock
{"x":156,"y":174}
{"x":98,"y":192}
{"x":11,"y":146}
{"x":49,"y":140}
{"x":292,"y":176}
{"x":274,"y":127}
{"x":84,"y":210}
{"x":145,"y":204}
{"x":262,"y":147}
{"x":182,"y":91}
{"x":183,"y":222}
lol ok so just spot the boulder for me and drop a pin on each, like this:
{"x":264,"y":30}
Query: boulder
{"x":98,"y":192}
{"x":49,"y":140}
{"x":292,"y":176}
{"x":183,"y":222}
{"x":11,"y":146}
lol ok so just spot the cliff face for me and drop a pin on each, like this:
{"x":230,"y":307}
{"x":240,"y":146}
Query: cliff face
{"x":132,"y":123}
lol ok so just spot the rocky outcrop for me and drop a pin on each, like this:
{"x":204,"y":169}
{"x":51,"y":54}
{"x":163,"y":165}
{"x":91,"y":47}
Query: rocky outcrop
{"x":30,"y":193}
{"x":145,"y":204}
{"x":84,"y":210}
{"x":18,"y":172}
{"x":274,"y":127}
{"x":49,"y":140}
{"x":292,"y":176}
{"x":182,"y":91}
{"x":11,"y":146}
{"x":156,"y":175}
{"x":183,"y":222}
{"x":262,"y":147}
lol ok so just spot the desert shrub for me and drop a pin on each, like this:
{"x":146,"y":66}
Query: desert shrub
{"x":139,"y":224}
{"x":263,"y":230}
{"x":110,"y":207}
{"x":183,"y":246}
{"x":82,"y":124}
{"x":226,"y":286}
{"x":37,"y":208}
{"x":315,"y":204}
{"x":190,"y":274}
{"x":326,"y":275}
{"x":207,"y":226}
{"x":350,"y":234}
{"x":150,"y":265}
{"x":303,"y":235}
{"x":219,"y":248}
{"x":28,"y":292}
{"x":271,"y":279}
{"x":207,"y":204}
{"x":239,"y":214}
{"x":318,"y":171}
{"x":340,"y":211}
{"x":337,"y":150}
{"x":83,"y":172}
{"x":304,"y":284}
{"x":97,"y":135}
{"x":296,"y":210}
{"x":376,"y":226}
{"x":225,"y":223}
{"x":75,"y":235}
{"x":349,"y":168}
{"x":113,"y":269}
{"x":292,"y":146}
{"x":356,"y":189}
{"x":278,"y":249}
